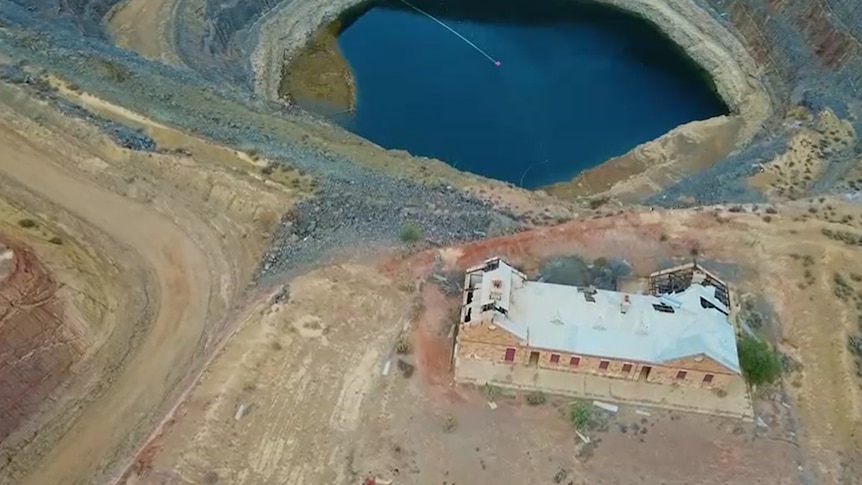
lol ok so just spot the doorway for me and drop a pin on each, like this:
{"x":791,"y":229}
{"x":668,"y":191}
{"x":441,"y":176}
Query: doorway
{"x":534,"y":358}
{"x":644,"y":374}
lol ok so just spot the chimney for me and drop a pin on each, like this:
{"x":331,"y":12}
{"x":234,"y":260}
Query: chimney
{"x":624,"y":306}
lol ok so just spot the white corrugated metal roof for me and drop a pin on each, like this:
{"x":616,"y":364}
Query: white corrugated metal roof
{"x":558,"y":317}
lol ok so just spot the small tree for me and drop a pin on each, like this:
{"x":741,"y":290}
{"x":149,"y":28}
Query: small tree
{"x":579,"y":414}
{"x":759,"y":363}
{"x":536,"y":398}
{"x":402,"y":345}
{"x":410,"y":232}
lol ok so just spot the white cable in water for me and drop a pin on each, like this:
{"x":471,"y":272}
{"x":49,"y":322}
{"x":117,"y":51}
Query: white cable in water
{"x":450,"y":29}
{"x":528,"y":169}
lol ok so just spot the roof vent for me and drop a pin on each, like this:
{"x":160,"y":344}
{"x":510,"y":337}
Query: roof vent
{"x":600,"y":324}
{"x":624,"y":306}
{"x":496,"y":289}
{"x":661,"y":307}
{"x":643,"y":327}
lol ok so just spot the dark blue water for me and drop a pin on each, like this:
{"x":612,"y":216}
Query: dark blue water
{"x":578,"y":84}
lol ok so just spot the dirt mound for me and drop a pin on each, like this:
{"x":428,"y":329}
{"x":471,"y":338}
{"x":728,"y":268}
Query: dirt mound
{"x":36,"y":350}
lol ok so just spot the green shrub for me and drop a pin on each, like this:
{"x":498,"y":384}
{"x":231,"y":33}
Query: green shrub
{"x":27,"y":223}
{"x":536,"y":398}
{"x":450,"y":424}
{"x":598,"y":202}
{"x":491,"y":391}
{"x":402,"y":345}
{"x":410,"y":233}
{"x":759,"y":363}
{"x":114,"y":71}
{"x":579,"y":414}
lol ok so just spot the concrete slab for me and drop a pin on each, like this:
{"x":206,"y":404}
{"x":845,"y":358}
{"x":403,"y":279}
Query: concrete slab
{"x":736,"y":404}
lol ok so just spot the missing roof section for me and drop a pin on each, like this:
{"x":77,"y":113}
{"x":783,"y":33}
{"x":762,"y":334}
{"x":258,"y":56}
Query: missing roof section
{"x":661,"y":307}
{"x":680,"y":278}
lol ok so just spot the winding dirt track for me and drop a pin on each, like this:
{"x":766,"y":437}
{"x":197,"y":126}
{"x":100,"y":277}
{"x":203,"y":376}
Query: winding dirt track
{"x":180,"y":270}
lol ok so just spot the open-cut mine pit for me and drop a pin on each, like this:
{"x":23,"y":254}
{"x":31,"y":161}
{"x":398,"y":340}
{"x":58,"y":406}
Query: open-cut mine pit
{"x":205,"y":279}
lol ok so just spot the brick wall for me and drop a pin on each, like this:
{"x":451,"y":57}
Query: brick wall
{"x":486,"y":342}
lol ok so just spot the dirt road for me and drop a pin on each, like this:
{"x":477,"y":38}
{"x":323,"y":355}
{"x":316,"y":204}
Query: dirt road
{"x":182,"y":275}
{"x":144,"y":26}
{"x":177,"y":238}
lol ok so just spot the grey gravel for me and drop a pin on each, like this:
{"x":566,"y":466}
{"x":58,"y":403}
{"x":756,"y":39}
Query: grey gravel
{"x":211,"y":96}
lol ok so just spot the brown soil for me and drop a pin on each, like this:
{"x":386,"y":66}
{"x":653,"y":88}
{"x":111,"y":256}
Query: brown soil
{"x":302,"y":369}
{"x":320,"y":73}
{"x":765,"y":250}
{"x":143,"y":26}
{"x":37,"y":350}
{"x":320,"y":410}
{"x":656,"y":164}
{"x":153,"y":251}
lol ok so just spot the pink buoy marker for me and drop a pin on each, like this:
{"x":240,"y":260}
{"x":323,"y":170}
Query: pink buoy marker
{"x":497,"y":63}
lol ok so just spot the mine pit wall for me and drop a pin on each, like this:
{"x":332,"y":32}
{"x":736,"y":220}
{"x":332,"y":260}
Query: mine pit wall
{"x":765,"y":56}
{"x":797,"y":52}
{"x":289,"y":26}
{"x":816,"y":65}
{"x":36,"y":349}
{"x":86,"y":15}
{"x":809,"y":54}
{"x":810,"y":50}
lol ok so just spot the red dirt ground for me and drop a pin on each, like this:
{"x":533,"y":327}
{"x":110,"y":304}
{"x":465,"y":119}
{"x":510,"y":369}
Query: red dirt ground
{"x":633,"y":236}
{"x":677,"y":446}
{"x":35,"y":354}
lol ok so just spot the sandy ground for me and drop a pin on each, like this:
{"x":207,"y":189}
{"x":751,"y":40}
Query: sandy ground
{"x":320,"y":72}
{"x":313,"y":417}
{"x":422,"y":429}
{"x":186,"y":250}
{"x":295,"y":376}
{"x":144,"y":26}
{"x":763,"y":254}
{"x":657,"y":164}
